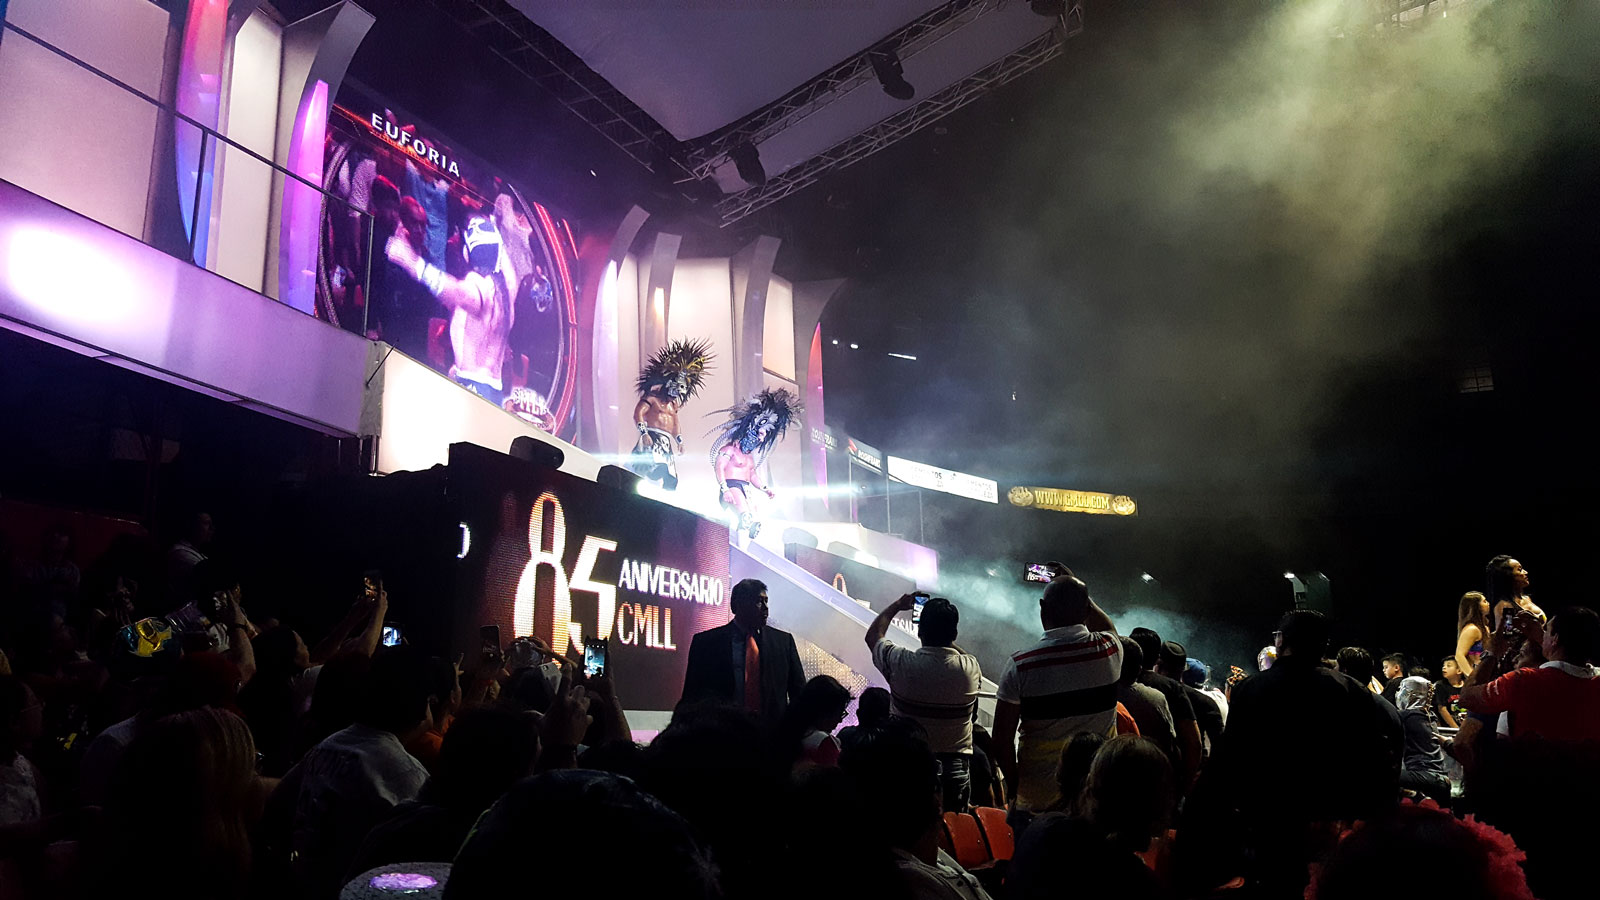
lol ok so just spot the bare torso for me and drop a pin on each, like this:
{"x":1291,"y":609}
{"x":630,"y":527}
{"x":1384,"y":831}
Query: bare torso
{"x":733,"y":464}
{"x":656,"y":411}
{"x":479,"y":337}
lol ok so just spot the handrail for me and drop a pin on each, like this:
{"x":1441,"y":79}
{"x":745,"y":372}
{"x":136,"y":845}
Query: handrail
{"x":173,"y":111}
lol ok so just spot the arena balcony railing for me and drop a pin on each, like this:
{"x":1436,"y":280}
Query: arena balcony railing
{"x":227,"y":221}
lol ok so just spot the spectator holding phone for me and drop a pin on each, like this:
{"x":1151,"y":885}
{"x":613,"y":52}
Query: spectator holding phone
{"x":1507,"y":593}
{"x":937,"y":685}
{"x":1559,"y":700}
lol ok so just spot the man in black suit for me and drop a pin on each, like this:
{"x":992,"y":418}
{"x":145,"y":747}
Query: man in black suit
{"x":744,"y":662}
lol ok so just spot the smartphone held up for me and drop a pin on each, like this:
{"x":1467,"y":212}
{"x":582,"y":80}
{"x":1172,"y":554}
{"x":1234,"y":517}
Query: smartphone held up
{"x":596,"y":657}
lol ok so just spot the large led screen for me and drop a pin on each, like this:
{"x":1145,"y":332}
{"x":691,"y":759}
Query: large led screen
{"x":566,"y":559}
{"x":427,"y":249}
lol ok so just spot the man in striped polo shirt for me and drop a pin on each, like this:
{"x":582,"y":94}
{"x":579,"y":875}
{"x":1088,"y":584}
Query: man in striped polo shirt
{"x":937,"y":686}
{"x":1064,"y":685}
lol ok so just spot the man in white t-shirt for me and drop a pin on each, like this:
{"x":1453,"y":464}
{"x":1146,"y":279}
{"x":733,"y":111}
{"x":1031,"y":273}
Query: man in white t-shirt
{"x":936,"y":685}
{"x":1064,"y":685}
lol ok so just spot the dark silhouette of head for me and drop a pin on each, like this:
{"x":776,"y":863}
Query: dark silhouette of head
{"x":1129,"y":792}
{"x":397,"y":689}
{"x":897,"y":774}
{"x":1574,"y":636}
{"x":514,"y":840}
{"x":1072,"y":771}
{"x":1132,"y":660}
{"x":485,"y":752}
{"x":1304,"y":633}
{"x":1356,"y":663}
{"x":712,"y":766}
{"x":1173,"y":660}
{"x":1149,"y":644}
{"x":1065,"y":602}
{"x":872,"y":709}
{"x":937,"y":626}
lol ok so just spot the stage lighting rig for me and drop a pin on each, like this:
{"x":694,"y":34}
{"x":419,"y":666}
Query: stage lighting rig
{"x":886,"y":65}
{"x":747,"y":160}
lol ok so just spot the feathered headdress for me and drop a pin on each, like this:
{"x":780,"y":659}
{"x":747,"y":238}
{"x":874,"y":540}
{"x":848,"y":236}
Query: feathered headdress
{"x":779,"y":405}
{"x":689,"y":358}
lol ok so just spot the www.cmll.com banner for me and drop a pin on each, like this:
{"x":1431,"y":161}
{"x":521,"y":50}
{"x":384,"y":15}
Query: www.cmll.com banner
{"x":1063,"y":500}
{"x":566,"y":559}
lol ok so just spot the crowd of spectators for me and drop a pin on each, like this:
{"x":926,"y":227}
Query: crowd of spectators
{"x":157,"y":737}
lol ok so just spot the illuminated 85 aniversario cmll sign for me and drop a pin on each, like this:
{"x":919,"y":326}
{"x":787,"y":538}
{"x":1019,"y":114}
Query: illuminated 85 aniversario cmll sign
{"x":567,"y":559}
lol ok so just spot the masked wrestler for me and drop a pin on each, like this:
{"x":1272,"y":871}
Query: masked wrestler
{"x":668,"y":380}
{"x":479,"y":304}
{"x":740,"y":450}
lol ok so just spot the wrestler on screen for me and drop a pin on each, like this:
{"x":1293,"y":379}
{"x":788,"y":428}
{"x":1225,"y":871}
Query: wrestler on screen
{"x":479,"y":304}
{"x":741,"y":447}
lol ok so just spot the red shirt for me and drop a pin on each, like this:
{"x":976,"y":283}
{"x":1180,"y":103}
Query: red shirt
{"x":1125,"y":721}
{"x":1558,"y":701}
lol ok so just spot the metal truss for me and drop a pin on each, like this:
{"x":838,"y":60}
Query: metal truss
{"x":709,"y":153}
{"x":1030,"y":56}
{"x":545,"y":61}
{"x":549,"y":64}
{"x":1390,"y":17}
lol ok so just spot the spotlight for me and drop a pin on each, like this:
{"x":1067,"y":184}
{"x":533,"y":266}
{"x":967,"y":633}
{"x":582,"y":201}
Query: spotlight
{"x":1289,"y":575}
{"x":855,"y":346}
{"x":1050,"y":8}
{"x":747,"y":161}
{"x":836,"y":342}
{"x":1147,"y":578}
{"x":620,"y":478}
{"x":537,"y":452}
{"x":886,"y":65}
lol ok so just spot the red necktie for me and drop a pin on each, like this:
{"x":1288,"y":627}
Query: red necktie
{"x":752,"y":674}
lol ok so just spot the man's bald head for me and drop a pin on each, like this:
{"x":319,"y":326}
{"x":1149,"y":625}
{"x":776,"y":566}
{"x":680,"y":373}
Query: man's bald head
{"x":1065,"y":602}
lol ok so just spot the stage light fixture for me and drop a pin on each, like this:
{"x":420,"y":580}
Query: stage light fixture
{"x":836,"y":342}
{"x":855,"y":346}
{"x":747,"y":160}
{"x":1051,"y":8}
{"x":619,"y":478}
{"x":886,"y":65}
{"x":1147,"y":578}
{"x":537,"y":452}
{"x":1289,"y":575}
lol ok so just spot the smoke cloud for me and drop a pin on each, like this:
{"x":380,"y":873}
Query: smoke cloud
{"x":1000,"y":615}
{"x":1211,"y":251}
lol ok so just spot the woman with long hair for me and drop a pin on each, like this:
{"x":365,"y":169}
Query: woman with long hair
{"x":188,"y":786}
{"x":1507,"y":590}
{"x":1127,"y":801}
{"x":1472,"y":629}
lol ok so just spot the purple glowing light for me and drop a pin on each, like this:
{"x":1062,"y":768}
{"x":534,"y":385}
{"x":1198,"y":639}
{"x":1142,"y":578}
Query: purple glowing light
{"x":405,"y":882}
